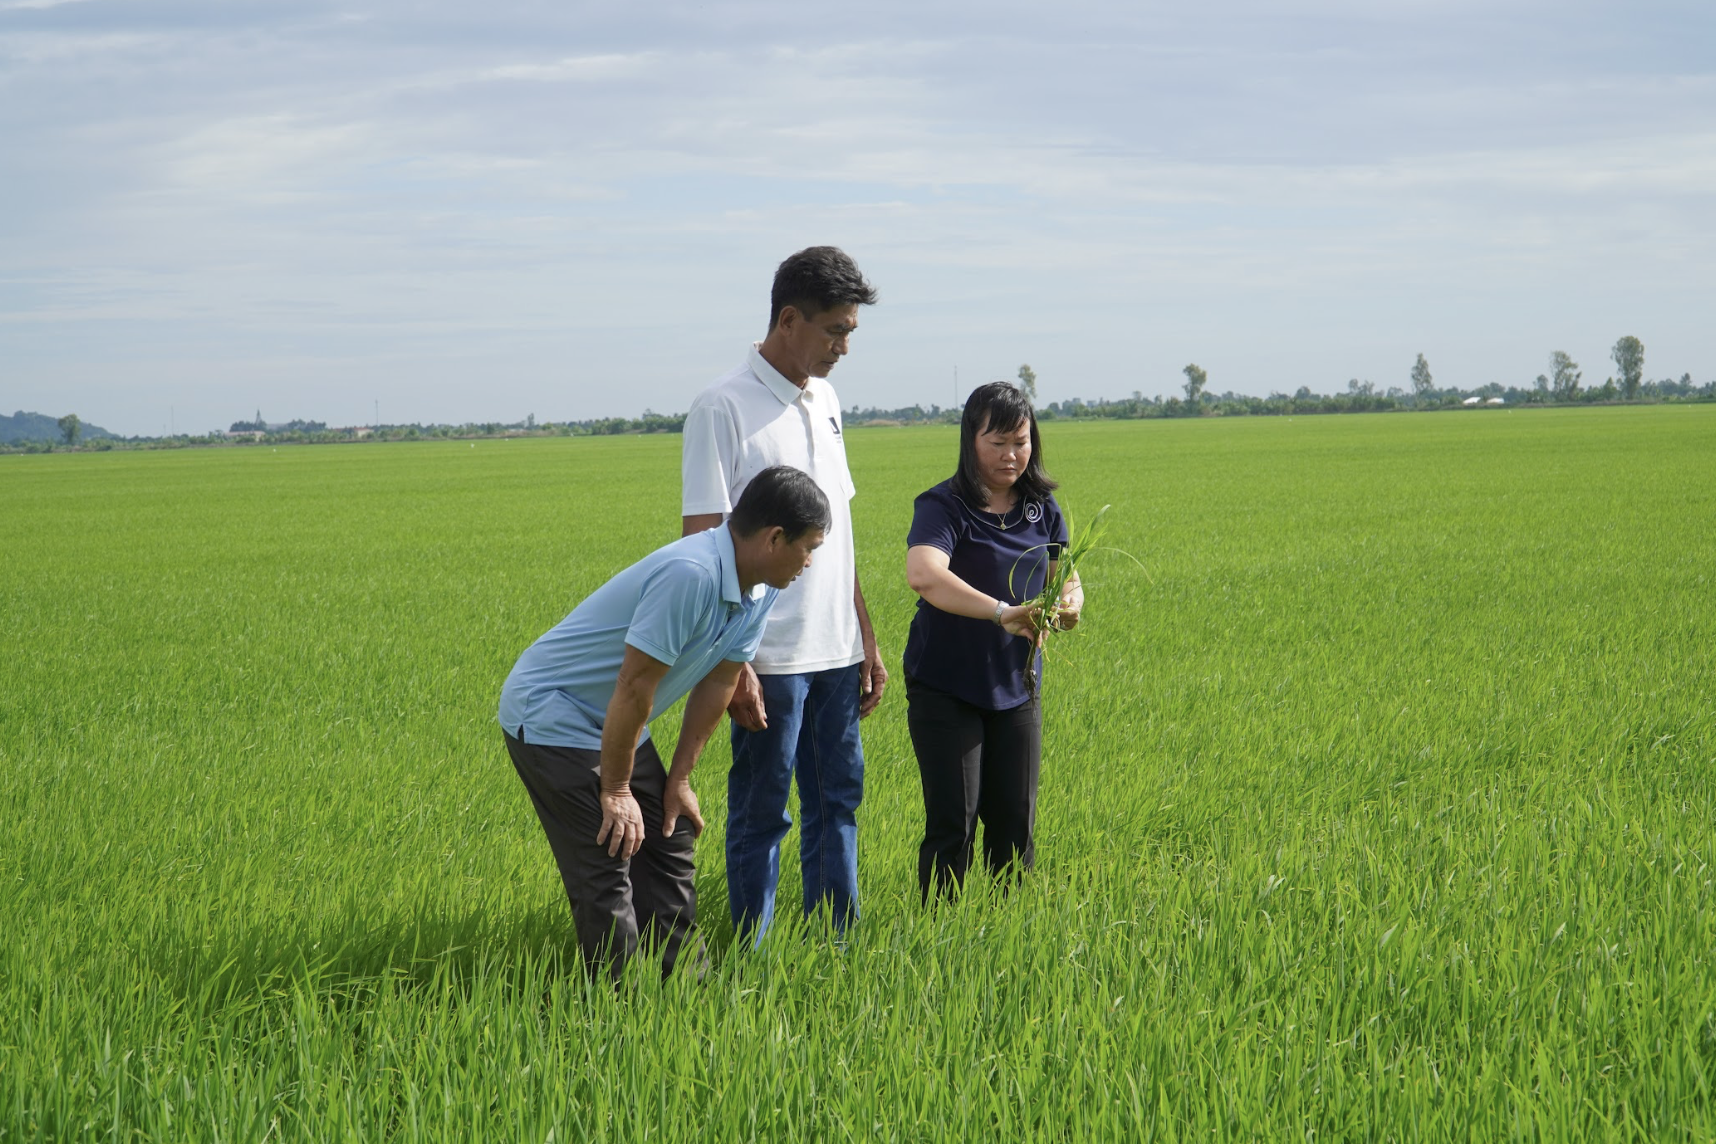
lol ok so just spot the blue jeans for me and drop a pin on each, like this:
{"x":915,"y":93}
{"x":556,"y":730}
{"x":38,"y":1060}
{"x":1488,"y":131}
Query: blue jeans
{"x":813,"y":731}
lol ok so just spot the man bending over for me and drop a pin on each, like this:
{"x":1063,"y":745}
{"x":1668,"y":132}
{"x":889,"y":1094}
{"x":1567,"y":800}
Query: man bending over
{"x":576,"y":708}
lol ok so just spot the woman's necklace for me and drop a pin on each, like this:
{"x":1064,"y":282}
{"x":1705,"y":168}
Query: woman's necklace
{"x":1001,"y":517}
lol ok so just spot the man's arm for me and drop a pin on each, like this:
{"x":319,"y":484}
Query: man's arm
{"x":746,"y":706}
{"x":872,"y":675}
{"x":703,"y":709}
{"x":709,"y":445}
{"x":628,"y":712}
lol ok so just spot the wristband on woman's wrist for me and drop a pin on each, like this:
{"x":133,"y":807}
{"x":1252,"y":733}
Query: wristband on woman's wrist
{"x":999,"y":608}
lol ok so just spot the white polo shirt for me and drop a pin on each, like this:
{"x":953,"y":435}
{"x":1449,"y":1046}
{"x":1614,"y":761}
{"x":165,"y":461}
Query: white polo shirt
{"x":747,"y":421}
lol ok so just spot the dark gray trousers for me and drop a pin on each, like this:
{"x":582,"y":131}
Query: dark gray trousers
{"x":613,"y":900}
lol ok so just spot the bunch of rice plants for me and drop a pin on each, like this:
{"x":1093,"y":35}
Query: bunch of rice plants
{"x":1060,"y":570}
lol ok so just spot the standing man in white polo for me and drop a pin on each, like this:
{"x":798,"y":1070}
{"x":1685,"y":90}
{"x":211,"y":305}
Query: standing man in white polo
{"x":817,"y":672}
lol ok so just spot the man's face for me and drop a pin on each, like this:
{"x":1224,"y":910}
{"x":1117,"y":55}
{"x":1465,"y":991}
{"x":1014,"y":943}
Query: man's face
{"x":786,"y":559}
{"x":814,"y":345}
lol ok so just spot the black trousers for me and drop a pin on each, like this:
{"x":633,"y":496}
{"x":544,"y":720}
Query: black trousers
{"x":976,"y":766}
{"x":614,"y":900}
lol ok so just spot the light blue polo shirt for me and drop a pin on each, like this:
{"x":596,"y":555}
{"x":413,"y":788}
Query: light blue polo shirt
{"x":681,"y":605}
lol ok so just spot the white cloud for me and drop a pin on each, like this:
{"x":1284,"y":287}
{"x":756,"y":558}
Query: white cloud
{"x":261,"y":153}
{"x":424,"y":187}
{"x":582,"y":69}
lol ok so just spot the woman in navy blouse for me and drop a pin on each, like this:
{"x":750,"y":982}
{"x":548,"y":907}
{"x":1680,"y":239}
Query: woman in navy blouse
{"x":975,"y":719}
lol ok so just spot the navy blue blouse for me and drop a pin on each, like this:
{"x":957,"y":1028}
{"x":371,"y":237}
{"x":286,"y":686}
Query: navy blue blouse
{"x":973,"y":659}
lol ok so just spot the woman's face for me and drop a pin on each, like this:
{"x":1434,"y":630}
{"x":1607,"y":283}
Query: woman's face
{"x":1003,"y":453}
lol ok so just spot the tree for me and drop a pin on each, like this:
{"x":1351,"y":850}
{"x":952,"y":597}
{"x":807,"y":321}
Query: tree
{"x":70,"y":427}
{"x":1028,"y":379}
{"x":1196,"y":379}
{"x":1564,"y":376}
{"x":1629,"y":359}
{"x":1421,"y":382}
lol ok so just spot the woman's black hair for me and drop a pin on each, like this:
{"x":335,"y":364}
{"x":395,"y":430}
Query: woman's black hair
{"x":998,"y":405}
{"x":784,"y":496}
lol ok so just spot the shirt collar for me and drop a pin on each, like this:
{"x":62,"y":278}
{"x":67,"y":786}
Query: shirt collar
{"x":730,"y":593}
{"x":783,"y":389}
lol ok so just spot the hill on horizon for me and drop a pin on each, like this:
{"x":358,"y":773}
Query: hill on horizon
{"x":22,"y":426}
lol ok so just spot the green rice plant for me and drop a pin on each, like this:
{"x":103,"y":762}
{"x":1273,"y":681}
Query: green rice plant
{"x":1060,"y":570}
{"x":1388,"y":812}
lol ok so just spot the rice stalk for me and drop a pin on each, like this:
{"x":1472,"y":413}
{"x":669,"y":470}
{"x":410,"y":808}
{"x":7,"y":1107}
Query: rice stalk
{"x":1061,"y":570}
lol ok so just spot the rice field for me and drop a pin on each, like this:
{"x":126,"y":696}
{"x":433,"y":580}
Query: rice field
{"x":1381,"y":804}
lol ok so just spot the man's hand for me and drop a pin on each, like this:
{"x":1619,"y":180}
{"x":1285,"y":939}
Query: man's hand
{"x":872,"y":675}
{"x":746,"y":707}
{"x":679,"y":800}
{"x":622,"y":823}
{"x":872,"y":678}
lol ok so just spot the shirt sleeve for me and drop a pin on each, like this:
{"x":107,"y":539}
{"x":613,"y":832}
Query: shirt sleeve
{"x":676,"y":599}
{"x":707,"y":453}
{"x":746,"y":649}
{"x":933,"y":522}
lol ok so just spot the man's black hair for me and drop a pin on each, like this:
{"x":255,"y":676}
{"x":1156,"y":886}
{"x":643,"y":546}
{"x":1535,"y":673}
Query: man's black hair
{"x":1004,"y":406}
{"x":784,"y":496}
{"x":816,"y":279}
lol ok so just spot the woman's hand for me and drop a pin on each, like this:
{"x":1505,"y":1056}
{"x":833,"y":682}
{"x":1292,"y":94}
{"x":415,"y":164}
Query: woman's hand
{"x":1070,"y":605}
{"x":1021,"y":620}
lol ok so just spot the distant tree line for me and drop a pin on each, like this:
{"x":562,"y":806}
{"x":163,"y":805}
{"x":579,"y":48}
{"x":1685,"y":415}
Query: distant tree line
{"x":1563,"y":384}
{"x":312,"y":432}
{"x":904,"y":415}
{"x":25,"y":428}
{"x":1364,"y":397}
{"x":261,"y":426}
{"x":298,"y":432}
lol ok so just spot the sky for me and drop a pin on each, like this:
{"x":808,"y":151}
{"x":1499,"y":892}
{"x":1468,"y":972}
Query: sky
{"x":446,"y":212}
